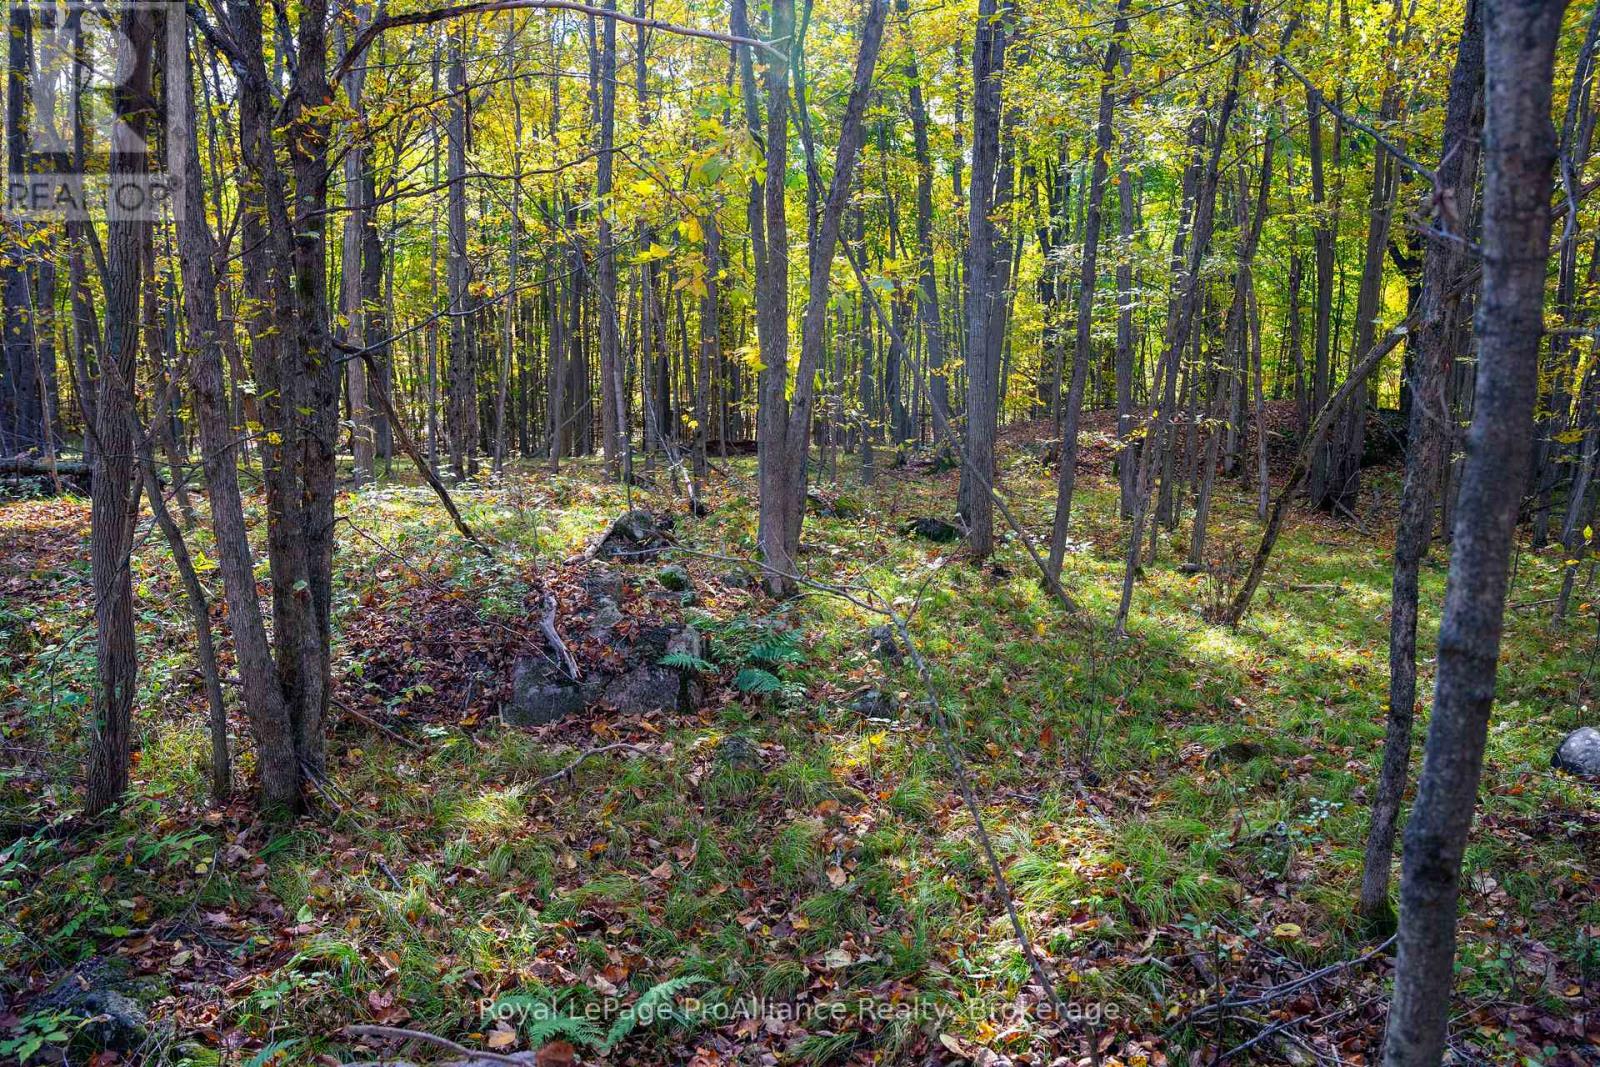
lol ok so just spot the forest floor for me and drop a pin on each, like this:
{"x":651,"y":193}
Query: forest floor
{"x":1180,"y":815}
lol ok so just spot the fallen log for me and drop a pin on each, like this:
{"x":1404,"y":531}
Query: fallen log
{"x":34,"y":467}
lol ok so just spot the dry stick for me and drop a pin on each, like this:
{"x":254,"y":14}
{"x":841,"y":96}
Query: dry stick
{"x":1358,"y":373}
{"x":375,"y":381}
{"x":363,"y":717}
{"x":547,"y":626}
{"x":1280,"y":991}
{"x":587,"y":753}
{"x":395,"y":1033}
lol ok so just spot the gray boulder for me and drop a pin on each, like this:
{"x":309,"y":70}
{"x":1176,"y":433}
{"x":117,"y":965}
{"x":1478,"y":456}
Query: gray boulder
{"x":602,"y":583}
{"x":875,"y":704}
{"x":687,"y":642}
{"x":635,"y":536}
{"x":936,"y":530}
{"x":539,"y":695}
{"x":604,"y":614}
{"x":92,"y":991}
{"x":652,"y":688}
{"x":738,"y":753}
{"x":1579,"y":753}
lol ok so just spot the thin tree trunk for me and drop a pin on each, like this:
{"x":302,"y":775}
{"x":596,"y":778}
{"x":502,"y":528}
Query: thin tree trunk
{"x":1429,"y":431}
{"x":982,"y":349}
{"x":114,"y":490}
{"x":1519,"y":154}
{"x":1086,"y":287}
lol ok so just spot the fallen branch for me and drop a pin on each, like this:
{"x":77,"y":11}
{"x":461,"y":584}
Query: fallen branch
{"x":396,"y":1033}
{"x":39,"y":468}
{"x":1278,"y":992}
{"x":1302,"y":463}
{"x":547,"y":626}
{"x":375,"y":384}
{"x":588,"y":752}
{"x":368,"y":720}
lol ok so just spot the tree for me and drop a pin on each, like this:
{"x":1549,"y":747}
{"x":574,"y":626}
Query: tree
{"x":982,"y":262}
{"x":1086,"y":288}
{"x":115,"y":494}
{"x":1519,"y":151}
{"x":1445,"y":259}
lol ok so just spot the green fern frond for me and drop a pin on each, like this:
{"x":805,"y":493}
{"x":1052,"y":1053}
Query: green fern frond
{"x":776,"y":649}
{"x":683,"y":661}
{"x":655,"y":1003}
{"x":757,"y":682}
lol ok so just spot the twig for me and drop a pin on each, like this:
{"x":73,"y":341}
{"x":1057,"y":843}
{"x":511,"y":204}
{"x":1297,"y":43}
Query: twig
{"x":396,"y":1033}
{"x":363,"y":717}
{"x":585,"y":754}
{"x":547,"y":626}
{"x":375,"y":380}
{"x":1280,"y":991}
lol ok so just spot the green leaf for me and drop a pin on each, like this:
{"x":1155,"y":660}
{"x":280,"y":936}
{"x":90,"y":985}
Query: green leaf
{"x":757,"y":682}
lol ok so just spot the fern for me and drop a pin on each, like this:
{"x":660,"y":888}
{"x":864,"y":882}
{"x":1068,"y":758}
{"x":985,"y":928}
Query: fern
{"x":757,"y":682}
{"x":542,"y":1022}
{"x":655,"y":1003}
{"x":776,"y":649}
{"x":580,"y":1032}
{"x":683,"y":661}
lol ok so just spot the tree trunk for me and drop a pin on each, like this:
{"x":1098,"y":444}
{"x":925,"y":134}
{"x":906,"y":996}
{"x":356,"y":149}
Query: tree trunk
{"x":613,"y":392}
{"x":1519,"y":154}
{"x":1429,"y":431}
{"x":260,"y":688}
{"x":461,"y":382}
{"x":927,"y":285}
{"x":1086,"y":287}
{"x":983,"y":349}
{"x":114,"y":491}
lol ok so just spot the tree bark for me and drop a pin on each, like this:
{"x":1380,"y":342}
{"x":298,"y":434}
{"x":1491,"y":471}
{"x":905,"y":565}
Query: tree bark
{"x":1519,"y":150}
{"x":1086,"y":287}
{"x":114,"y":492}
{"x":1430,"y":426}
{"x":983,"y":349}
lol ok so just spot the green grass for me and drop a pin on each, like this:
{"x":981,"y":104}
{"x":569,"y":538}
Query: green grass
{"x":846,"y":861}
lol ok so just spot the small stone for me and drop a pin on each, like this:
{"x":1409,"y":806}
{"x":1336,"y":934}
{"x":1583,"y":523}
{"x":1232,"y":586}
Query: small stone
{"x":537,"y":697}
{"x":1579,"y":753}
{"x":738,"y":753}
{"x":687,"y":642}
{"x":1234,"y":752}
{"x":674,"y":577}
{"x":833,"y":506}
{"x":875,"y":704}
{"x":738,"y":578}
{"x":936,"y":530}
{"x":884,"y":643}
{"x":91,"y":991}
